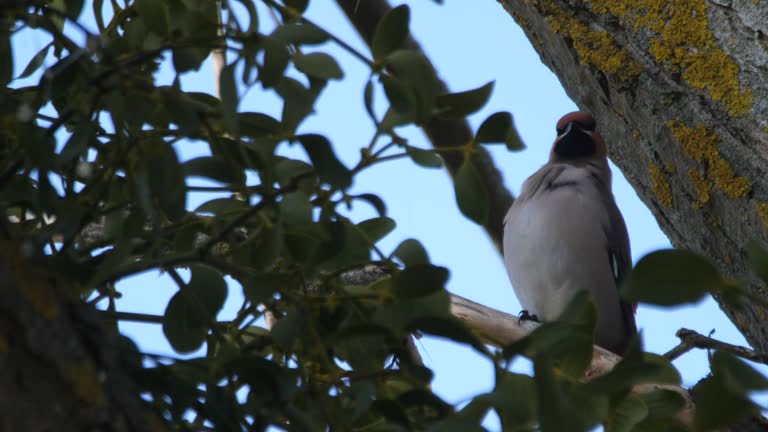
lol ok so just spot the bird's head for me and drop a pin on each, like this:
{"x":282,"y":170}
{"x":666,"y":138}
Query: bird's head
{"x":577,"y":139}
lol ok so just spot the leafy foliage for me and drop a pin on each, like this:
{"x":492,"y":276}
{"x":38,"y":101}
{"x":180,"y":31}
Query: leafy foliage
{"x":93,"y":146}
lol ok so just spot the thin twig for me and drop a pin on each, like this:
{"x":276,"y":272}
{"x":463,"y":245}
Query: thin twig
{"x":690,"y":339}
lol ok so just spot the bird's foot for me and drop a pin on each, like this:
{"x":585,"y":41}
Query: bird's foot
{"x":524,"y":315}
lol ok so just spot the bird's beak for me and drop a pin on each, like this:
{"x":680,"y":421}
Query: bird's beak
{"x":574,"y":142}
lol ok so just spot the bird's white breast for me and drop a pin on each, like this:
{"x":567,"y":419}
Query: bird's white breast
{"x":555,"y":244}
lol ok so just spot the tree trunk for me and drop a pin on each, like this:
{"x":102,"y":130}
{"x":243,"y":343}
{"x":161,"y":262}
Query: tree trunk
{"x":680,"y":95}
{"x":59,"y":369}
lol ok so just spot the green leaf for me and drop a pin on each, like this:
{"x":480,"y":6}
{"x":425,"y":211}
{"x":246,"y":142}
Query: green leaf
{"x":78,"y":142}
{"x":499,"y":128}
{"x":159,"y":182}
{"x":758,"y":259}
{"x":155,"y":14}
{"x":261,"y":287}
{"x":36,"y":61}
{"x":319,"y":65}
{"x":449,"y":328}
{"x":737,"y":374}
{"x":181,"y":327}
{"x":206,"y":290}
{"x":276,"y":59}
{"x":425,"y":158}
{"x":300,"y":33}
{"x":256,"y":125}
{"x":462,"y":104}
{"x":718,"y":405}
{"x":187,"y":59}
{"x":229,"y":98}
{"x":299,"y":102}
{"x":416,"y":78}
{"x":401,"y":100}
{"x":566,"y":341}
{"x":471,"y":194}
{"x":296,"y":209}
{"x":289,"y":330}
{"x":671,"y":277}
{"x":420,"y":280}
{"x":375,"y":201}
{"x":411,"y":253}
{"x":214,"y":168}
{"x":297,"y":5}
{"x":375,"y":229}
{"x":391,"y":32}
{"x":291,"y":171}
{"x":514,"y":399}
{"x":627,"y":414}
{"x":328,"y":167}
{"x":222,"y":206}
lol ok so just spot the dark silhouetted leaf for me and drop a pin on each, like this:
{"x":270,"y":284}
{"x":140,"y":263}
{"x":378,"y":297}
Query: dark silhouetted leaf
{"x":411,"y":253}
{"x":627,"y":414}
{"x":328,"y":167}
{"x":671,"y":277}
{"x":375,"y":229}
{"x":155,"y":15}
{"x":319,"y":65}
{"x":391,"y":32}
{"x":213,"y":168}
{"x":425,"y":158}
{"x":471,"y":194}
{"x":181,"y":326}
{"x":160,"y":183}
{"x":758,"y":259}
{"x":499,"y":128}
{"x":296,"y":209}
{"x":375,"y":201}
{"x":229,"y":98}
{"x":36,"y":62}
{"x":300,"y":33}
{"x":276,"y":59}
{"x":420,"y":280}
{"x":462,"y":104}
{"x":222,"y":206}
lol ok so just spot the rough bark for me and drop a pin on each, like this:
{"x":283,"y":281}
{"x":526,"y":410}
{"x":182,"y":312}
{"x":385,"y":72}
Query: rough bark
{"x":442,"y":133}
{"x":680,"y":95}
{"x":59,"y":368}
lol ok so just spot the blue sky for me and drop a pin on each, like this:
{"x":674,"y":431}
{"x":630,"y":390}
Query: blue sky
{"x":470,"y":43}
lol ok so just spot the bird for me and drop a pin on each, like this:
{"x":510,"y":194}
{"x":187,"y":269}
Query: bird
{"x":565,"y":233}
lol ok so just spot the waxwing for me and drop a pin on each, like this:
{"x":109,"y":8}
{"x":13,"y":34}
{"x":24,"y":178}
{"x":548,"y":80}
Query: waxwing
{"x":564,"y":234}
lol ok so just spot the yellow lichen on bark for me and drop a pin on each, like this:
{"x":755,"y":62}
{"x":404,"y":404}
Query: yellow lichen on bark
{"x":595,"y":48}
{"x":701,"y":185}
{"x":762,"y":210}
{"x":660,"y":186}
{"x":684,"y":42}
{"x":701,"y":145}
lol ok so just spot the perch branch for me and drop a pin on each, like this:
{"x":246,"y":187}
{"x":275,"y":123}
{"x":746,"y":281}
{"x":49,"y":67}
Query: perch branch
{"x":690,"y":339}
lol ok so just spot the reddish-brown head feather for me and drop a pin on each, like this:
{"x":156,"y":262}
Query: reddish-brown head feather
{"x":586,"y":121}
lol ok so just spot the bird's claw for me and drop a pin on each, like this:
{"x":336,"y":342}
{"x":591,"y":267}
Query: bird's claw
{"x":524,"y":315}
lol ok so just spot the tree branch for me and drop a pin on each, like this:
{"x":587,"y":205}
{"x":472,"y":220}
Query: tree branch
{"x":690,"y":339}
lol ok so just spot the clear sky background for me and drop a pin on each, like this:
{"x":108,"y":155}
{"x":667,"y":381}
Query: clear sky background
{"x":470,"y":43}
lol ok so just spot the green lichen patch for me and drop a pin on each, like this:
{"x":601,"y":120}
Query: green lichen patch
{"x":595,"y":48}
{"x":683,"y":42}
{"x":701,"y":145}
{"x":660,"y":186}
